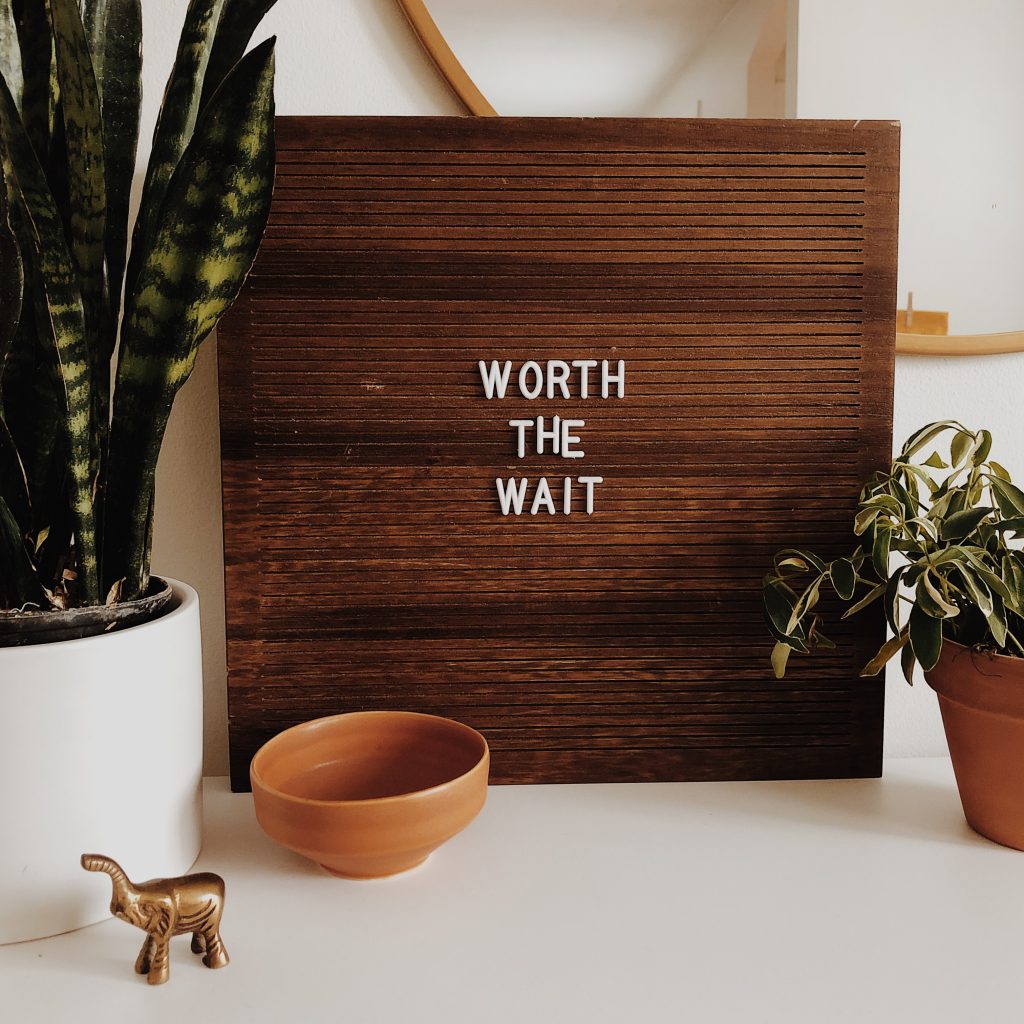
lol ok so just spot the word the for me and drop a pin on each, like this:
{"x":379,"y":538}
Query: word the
{"x":560,"y":436}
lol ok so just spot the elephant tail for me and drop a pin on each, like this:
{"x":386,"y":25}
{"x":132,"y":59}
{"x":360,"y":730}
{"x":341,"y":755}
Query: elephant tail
{"x":97,"y":862}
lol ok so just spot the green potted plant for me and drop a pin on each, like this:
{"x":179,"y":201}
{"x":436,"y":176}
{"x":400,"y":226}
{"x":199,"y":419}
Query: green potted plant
{"x":939,"y":548}
{"x":101,"y":725}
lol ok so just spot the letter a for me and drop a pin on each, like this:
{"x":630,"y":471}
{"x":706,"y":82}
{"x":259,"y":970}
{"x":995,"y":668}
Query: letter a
{"x":543,"y":497}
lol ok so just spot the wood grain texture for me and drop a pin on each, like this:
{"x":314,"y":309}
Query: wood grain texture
{"x":744,"y":270}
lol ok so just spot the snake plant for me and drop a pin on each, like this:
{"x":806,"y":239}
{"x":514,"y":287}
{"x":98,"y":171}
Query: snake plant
{"x":96,"y":337}
{"x":939,"y":548}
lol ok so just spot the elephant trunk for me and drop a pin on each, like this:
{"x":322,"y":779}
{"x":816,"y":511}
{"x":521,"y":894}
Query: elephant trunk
{"x":97,"y":862}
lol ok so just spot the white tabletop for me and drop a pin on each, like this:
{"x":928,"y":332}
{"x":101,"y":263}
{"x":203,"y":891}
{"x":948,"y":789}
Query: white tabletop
{"x":865,"y":901}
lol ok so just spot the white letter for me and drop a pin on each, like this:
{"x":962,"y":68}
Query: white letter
{"x":495,"y":377}
{"x":590,"y":481}
{"x":607,"y":378}
{"x":511,"y":494}
{"x":568,"y":440}
{"x":542,"y":497}
{"x":521,"y":426}
{"x":551,"y":435}
{"x":567,"y":496}
{"x":561,"y":378}
{"x":583,"y":365}
{"x":538,"y":377}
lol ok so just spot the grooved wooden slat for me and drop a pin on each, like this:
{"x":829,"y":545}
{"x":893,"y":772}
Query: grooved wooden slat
{"x":745,"y":272}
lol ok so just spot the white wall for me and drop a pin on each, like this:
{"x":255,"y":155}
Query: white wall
{"x":716,"y":76}
{"x":661,"y":58}
{"x":947,"y":70}
{"x":951,"y":73}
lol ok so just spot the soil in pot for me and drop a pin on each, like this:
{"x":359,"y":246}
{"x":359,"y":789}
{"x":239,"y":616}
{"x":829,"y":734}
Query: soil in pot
{"x":981,"y":697}
{"x":22,"y":628}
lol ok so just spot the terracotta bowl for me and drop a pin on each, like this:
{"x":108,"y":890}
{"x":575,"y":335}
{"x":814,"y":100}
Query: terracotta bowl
{"x":371,"y":793}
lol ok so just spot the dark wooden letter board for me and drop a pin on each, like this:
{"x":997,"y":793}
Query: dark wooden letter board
{"x":745,"y":272}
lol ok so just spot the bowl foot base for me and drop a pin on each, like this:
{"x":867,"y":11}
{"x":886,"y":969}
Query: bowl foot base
{"x":362,"y":877}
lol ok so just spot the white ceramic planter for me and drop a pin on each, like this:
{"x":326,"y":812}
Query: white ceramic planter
{"x":101,"y":751}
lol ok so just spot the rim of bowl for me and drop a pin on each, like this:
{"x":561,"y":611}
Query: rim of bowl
{"x":255,"y":776}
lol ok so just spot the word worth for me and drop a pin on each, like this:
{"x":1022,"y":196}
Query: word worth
{"x":533,"y":381}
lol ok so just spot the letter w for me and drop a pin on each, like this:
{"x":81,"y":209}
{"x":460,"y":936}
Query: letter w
{"x":494,"y":377}
{"x":511,"y":494}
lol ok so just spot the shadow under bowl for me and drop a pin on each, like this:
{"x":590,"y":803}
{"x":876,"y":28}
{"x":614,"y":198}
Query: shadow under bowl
{"x":370,"y":793}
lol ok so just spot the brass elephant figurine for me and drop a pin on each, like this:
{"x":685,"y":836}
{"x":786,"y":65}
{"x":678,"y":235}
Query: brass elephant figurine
{"x":163,"y":908}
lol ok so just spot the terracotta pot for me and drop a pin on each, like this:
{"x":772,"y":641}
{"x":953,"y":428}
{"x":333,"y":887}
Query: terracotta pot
{"x":981,"y":697}
{"x":371,"y":793}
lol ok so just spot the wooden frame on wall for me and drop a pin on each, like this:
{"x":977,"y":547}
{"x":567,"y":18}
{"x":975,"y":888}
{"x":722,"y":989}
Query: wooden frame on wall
{"x":742,"y":272}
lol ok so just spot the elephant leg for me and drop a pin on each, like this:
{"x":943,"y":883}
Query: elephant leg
{"x":216,"y":954}
{"x":198,"y":942}
{"x":145,"y":956}
{"x":160,"y":965}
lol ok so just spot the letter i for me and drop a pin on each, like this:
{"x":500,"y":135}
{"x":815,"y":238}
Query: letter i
{"x":567,"y":497}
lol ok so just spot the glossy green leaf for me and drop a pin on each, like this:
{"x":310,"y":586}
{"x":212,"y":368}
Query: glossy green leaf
{"x":114,"y":28}
{"x":914,"y":475}
{"x":792,"y":562}
{"x":10,"y":51}
{"x":892,"y":599}
{"x":925,"y":526}
{"x":954,"y":553}
{"x":880,"y":549}
{"x":37,"y":69}
{"x":780,"y":656}
{"x":959,"y":447}
{"x":1009,"y":497}
{"x":929,"y":596}
{"x":13,"y":482}
{"x":34,"y":412}
{"x":981,"y":596}
{"x":936,"y":461}
{"x":919,"y":439}
{"x":885,"y":503}
{"x":807,"y":556}
{"x":991,"y":579}
{"x":805,"y":602}
{"x":869,"y":598}
{"x":174,"y":126}
{"x":779,"y":600}
{"x":998,"y":470}
{"x":1012,"y":571}
{"x":12,"y":277}
{"x":844,"y":577}
{"x":984,"y":446}
{"x":996,"y":622}
{"x":864,"y":519}
{"x":83,"y":131}
{"x":214,"y":214}
{"x":925,"y":637}
{"x":60,"y":315}
{"x":887,"y":650}
{"x":815,"y":636}
{"x":907,"y":663}
{"x":19,"y":584}
{"x":238,"y":21}
{"x":909,"y":503}
{"x":959,"y":525}
{"x":1014,"y":526}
